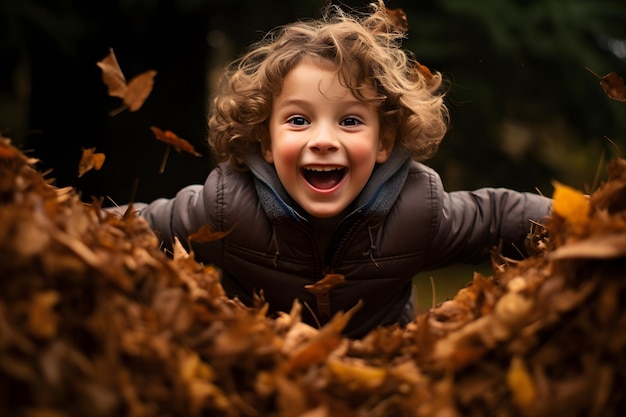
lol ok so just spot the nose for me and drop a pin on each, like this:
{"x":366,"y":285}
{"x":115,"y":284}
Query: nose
{"x":323,"y":141}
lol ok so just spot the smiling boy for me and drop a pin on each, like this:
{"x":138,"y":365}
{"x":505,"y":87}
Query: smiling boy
{"x":324,"y":141}
{"x":318,"y":130}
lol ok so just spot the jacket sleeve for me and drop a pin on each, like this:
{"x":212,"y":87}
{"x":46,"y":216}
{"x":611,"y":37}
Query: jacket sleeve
{"x":468,"y":224}
{"x":184,"y":214}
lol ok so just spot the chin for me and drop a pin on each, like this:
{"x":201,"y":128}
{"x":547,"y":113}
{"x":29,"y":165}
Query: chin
{"x":324,"y":214}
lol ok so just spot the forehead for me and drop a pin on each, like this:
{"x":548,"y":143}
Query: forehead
{"x":329,"y":78}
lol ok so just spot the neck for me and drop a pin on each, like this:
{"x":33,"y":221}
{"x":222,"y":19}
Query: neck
{"x":325,"y":228}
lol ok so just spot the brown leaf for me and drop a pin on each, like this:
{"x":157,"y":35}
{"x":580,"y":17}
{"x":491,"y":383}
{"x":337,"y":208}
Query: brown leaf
{"x":327,"y":340}
{"x":398,"y":19}
{"x":89,"y":161}
{"x":134,"y":93}
{"x":421,"y":70}
{"x":43,"y":321}
{"x":206,"y":234}
{"x":172,"y":138}
{"x":613,"y":86}
{"x":363,"y":377}
{"x":606,"y":246}
{"x":139,"y":88}
{"x":325,"y":284}
{"x":112,"y":75}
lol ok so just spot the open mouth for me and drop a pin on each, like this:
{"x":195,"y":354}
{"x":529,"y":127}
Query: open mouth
{"x":323,"y":178}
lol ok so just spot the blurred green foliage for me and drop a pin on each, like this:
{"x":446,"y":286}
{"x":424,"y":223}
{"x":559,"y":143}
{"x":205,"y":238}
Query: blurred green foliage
{"x":525,"y":111}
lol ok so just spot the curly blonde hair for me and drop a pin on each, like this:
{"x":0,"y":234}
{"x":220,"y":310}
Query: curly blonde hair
{"x":365,"y":50}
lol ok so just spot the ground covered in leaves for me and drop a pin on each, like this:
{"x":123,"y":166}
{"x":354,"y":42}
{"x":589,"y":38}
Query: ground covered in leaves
{"x":95,"y":320}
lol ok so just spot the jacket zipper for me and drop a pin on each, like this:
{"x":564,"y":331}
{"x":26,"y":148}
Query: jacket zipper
{"x":337,"y":248}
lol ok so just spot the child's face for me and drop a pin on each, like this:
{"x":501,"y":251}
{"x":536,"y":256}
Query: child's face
{"x":324,"y":141}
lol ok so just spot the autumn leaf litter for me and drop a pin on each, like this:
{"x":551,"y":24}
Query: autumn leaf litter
{"x":96,"y":320}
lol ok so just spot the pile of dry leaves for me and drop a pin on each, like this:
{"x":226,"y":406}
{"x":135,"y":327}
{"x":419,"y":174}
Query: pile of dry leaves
{"x":95,"y":320}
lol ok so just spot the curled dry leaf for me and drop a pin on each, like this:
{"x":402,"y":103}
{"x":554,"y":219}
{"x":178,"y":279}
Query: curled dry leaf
{"x":321,"y":290}
{"x":207,"y":234}
{"x":139,"y":88}
{"x":326,"y":284}
{"x":399,"y":19}
{"x":134,"y":93}
{"x":112,"y":75}
{"x":612,"y":84}
{"x":317,"y":349}
{"x":172,"y":138}
{"x":425,"y":71}
{"x":90,"y":160}
{"x":359,"y":375}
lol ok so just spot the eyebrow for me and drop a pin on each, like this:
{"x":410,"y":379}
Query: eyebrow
{"x":304,"y":102}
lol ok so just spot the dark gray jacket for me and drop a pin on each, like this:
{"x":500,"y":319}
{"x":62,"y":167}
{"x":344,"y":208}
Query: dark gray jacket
{"x":402,"y":223}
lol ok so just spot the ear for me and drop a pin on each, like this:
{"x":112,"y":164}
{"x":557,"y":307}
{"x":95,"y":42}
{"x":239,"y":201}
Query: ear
{"x":385,"y":147}
{"x":266,"y":151}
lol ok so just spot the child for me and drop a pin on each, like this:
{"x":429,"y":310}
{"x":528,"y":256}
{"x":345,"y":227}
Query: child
{"x":318,"y":130}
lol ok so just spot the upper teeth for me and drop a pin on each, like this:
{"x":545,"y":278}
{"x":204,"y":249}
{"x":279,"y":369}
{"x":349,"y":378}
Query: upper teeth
{"x":323,"y":168}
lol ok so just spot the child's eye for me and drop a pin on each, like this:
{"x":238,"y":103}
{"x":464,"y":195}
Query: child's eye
{"x":298,"y":121}
{"x":350,"y":121}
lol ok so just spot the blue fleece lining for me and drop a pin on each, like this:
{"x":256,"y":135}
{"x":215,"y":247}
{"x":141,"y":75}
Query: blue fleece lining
{"x":377,"y":197}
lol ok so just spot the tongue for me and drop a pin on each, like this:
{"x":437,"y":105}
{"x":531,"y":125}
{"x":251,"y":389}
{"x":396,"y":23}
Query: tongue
{"x":324,"y":180}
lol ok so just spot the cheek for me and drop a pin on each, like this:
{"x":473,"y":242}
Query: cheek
{"x":364,"y":155}
{"x":285,"y":157}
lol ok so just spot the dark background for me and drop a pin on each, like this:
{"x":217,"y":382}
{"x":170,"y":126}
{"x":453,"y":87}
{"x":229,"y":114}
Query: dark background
{"x":525,"y":110}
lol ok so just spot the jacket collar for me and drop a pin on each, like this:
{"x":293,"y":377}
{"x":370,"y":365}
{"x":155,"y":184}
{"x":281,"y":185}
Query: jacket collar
{"x":377,"y":197}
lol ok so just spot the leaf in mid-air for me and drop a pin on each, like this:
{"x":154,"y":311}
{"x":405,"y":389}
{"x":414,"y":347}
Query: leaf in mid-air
{"x":207,"y":234}
{"x":173,"y":139}
{"x":612,"y":84}
{"x":90,"y":160}
{"x":399,"y":19}
{"x":133,"y":93}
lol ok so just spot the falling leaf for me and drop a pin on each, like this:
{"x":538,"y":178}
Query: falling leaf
{"x":613,"y":85}
{"x":206,"y":234}
{"x":321,"y":291}
{"x":570,"y":204}
{"x":398,"y":18}
{"x":423,"y":70}
{"x":172,"y":138}
{"x":325,"y":284}
{"x":139,"y":88}
{"x":89,"y":161}
{"x":112,"y":75}
{"x":133,"y":93}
